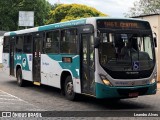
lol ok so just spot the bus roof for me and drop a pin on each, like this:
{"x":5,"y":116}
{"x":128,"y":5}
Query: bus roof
{"x":82,"y":21}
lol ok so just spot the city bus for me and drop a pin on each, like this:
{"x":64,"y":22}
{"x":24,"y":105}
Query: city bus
{"x":99,"y":56}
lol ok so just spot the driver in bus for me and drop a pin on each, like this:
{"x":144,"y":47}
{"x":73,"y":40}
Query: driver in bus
{"x":127,"y":50}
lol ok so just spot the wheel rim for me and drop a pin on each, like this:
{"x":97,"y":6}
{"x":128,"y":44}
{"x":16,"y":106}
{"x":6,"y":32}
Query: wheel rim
{"x":69,"y":88}
{"x":19,"y":79}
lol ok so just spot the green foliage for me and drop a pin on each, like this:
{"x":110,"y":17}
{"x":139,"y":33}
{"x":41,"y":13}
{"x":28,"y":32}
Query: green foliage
{"x":65,"y":12}
{"x":144,"y":7}
{"x":9,"y":11}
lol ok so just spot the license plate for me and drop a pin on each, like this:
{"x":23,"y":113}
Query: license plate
{"x":133,"y":94}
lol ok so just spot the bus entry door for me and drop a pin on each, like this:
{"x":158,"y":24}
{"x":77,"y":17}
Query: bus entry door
{"x":11,"y":54}
{"x":87,"y":64}
{"x":37,"y":49}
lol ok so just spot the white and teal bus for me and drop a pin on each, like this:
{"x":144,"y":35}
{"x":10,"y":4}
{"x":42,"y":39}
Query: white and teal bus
{"x":101,"y":57}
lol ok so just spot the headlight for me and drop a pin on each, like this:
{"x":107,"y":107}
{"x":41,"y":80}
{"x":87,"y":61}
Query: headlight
{"x":154,"y":79}
{"x":105,"y":80}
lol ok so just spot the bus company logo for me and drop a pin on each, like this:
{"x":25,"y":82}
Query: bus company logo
{"x":121,"y":83}
{"x":6,"y":114}
{"x":24,"y":62}
{"x":132,"y":73}
{"x":18,"y":57}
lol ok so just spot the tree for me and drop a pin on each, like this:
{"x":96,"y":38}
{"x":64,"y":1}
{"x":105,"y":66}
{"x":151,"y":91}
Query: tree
{"x":65,"y":12}
{"x":9,"y":11}
{"x":144,"y":7}
{"x":55,"y":6}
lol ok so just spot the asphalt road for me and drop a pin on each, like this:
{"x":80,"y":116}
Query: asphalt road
{"x":45,"y":98}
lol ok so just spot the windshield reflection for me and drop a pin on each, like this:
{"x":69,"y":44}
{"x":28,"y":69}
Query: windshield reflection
{"x":126,"y":52}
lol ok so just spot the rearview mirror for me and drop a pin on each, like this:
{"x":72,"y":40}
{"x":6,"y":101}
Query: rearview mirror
{"x":96,"y":42}
{"x":155,"y":41}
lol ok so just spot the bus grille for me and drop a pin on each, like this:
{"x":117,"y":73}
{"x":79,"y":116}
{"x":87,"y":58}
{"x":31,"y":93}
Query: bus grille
{"x":125,"y":92}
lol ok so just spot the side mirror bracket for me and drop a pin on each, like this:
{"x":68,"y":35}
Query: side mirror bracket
{"x":96,"y":42}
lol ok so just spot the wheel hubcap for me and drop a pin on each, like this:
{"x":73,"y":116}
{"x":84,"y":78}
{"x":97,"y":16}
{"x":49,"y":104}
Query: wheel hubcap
{"x":19,"y":79}
{"x":70,"y":88}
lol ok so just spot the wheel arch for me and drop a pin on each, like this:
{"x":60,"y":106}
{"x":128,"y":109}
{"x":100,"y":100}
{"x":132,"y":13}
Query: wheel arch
{"x":18,"y":66}
{"x":63,"y":77}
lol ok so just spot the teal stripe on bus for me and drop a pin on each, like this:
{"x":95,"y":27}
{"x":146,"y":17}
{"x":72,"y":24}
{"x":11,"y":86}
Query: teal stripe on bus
{"x":104,"y":91}
{"x":21,"y":59}
{"x":70,"y":66}
{"x":12,"y":33}
{"x":62,"y":24}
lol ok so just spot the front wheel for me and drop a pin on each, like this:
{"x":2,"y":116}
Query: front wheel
{"x":20,"y":81}
{"x":69,"y":89}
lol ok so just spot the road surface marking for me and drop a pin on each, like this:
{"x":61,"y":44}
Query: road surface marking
{"x":14,"y":100}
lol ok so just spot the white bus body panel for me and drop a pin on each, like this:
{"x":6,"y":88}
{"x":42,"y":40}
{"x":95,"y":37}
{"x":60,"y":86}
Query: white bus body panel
{"x":5,"y":61}
{"x":27,"y":74}
{"x":50,"y":71}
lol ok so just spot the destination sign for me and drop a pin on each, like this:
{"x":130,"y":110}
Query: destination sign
{"x":123,"y":24}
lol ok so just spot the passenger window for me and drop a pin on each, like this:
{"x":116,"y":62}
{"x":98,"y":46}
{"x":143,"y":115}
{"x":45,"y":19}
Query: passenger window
{"x":27,"y":48}
{"x":19,"y":44}
{"x":6,"y":45}
{"x":52,"y":42}
{"x":69,"y":41}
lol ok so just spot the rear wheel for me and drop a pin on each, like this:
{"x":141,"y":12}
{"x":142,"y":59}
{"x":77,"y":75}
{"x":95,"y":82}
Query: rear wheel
{"x":69,"y":89}
{"x":20,"y":81}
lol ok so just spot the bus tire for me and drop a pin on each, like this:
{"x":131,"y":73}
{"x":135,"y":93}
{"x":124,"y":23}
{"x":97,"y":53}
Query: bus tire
{"x":20,"y":81}
{"x":68,"y":89}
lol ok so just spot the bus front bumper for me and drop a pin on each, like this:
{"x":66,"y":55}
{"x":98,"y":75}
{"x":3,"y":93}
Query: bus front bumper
{"x":103,"y":91}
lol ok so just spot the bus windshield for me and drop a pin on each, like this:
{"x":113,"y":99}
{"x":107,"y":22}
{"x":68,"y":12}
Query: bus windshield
{"x":127,"y":51}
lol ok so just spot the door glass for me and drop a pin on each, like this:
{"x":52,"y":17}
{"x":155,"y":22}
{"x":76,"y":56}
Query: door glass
{"x":85,"y":63}
{"x":85,"y":50}
{"x":91,"y":57}
{"x":37,"y":59}
{"x":91,"y":63}
{"x":88,"y":64}
{"x":12,"y":48}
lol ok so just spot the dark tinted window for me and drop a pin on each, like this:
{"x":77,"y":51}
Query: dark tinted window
{"x":6,"y":45}
{"x":68,"y":41}
{"x":27,"y":47}
{"x":19,"y":44}
{"x":52,"y":42}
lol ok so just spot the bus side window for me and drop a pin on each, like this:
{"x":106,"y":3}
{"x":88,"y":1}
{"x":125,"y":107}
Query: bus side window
{"x":19,"y":44}
{"x":48,"y":42}
{"x":52,"y":42}
{"x":27,"y":45}
{"x":6,"y":45}
{"x":69,"y":41}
